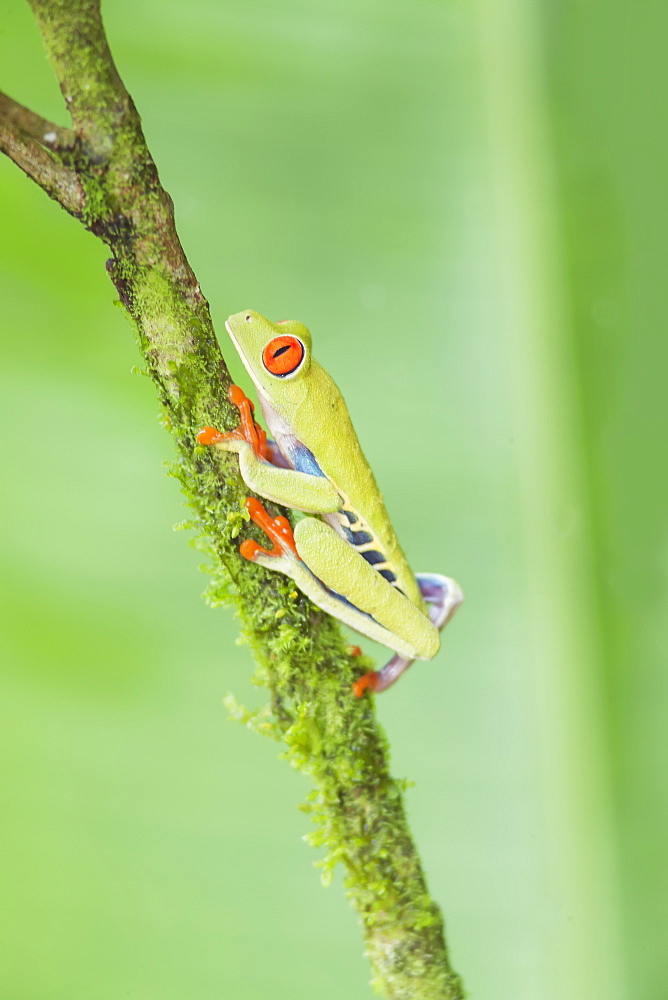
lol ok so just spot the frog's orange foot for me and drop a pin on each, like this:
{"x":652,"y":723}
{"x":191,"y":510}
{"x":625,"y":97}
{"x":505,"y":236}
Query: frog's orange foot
{"x":248,"y":430}
{"x":355,"y":650}
{"x":277,"y":529}
{"x":369,"y":680}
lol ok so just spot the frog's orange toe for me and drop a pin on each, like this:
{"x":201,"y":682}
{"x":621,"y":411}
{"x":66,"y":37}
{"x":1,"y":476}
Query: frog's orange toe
{"x":236,"y":395}
{"x":250,"y":548}
{"x":256,"y":510}
{"x":369,"y":680}
{"x":209,"y":435}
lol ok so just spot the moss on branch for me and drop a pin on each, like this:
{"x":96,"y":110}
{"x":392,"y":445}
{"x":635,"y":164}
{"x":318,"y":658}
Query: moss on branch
{"x":101,"y":171}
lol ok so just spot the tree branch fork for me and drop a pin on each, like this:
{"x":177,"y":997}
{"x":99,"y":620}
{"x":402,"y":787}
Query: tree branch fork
{"x":41,"y":149}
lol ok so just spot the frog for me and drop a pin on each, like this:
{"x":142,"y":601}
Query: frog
{"x":343,"y":553}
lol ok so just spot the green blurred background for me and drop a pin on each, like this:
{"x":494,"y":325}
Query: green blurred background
{"x":464,"y":203}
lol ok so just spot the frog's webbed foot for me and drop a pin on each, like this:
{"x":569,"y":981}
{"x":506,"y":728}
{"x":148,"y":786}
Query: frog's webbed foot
{"x":442,"y":596}
{"x":248,"y":430}
{"x":278,"y":531}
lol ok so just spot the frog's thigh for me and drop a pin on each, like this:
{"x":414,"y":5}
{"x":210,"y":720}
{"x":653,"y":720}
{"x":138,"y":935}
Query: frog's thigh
{"x":297,"y":570}
{"x":341,"y":568}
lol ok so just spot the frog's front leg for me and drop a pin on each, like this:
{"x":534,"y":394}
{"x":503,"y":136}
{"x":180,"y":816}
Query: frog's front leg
{"x":283,"y":485}
{"x":442,"y":596}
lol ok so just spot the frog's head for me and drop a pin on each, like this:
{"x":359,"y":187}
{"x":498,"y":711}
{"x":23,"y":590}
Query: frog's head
{"x":275,"y":354}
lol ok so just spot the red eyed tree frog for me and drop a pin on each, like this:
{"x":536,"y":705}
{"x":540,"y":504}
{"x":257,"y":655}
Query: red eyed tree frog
{"x":347,"y":559}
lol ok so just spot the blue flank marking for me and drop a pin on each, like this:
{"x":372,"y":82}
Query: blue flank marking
{"x":303,"y":460}
{"x":361,"y":537}
{"x":373,"y":556}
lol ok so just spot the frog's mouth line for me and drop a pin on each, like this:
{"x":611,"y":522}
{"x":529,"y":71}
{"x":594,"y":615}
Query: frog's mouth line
{"x":244,"y":361}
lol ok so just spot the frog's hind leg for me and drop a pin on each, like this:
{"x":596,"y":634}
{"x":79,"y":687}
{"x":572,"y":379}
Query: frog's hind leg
{"x":442,"y":596}
{"x":313,"y":538}
{"x":287,"y":556}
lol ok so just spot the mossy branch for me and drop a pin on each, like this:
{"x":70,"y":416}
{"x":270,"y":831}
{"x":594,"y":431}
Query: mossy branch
{"x":100,"y":170}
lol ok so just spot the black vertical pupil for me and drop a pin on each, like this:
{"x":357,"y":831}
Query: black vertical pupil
{"x":281,"y":350}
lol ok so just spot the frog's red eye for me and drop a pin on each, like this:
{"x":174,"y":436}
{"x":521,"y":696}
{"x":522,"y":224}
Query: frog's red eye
{"x":283,"y":355}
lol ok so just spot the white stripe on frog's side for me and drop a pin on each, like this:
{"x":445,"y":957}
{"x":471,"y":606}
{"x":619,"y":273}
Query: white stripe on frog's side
{"x":295,"y":453}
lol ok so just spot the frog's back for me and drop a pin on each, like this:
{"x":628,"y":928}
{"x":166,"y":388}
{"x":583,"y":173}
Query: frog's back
{"x":363,"y":519}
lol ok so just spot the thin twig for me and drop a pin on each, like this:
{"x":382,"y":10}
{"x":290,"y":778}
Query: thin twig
{"x":60,"y":183}
{"x":33,"y":125}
